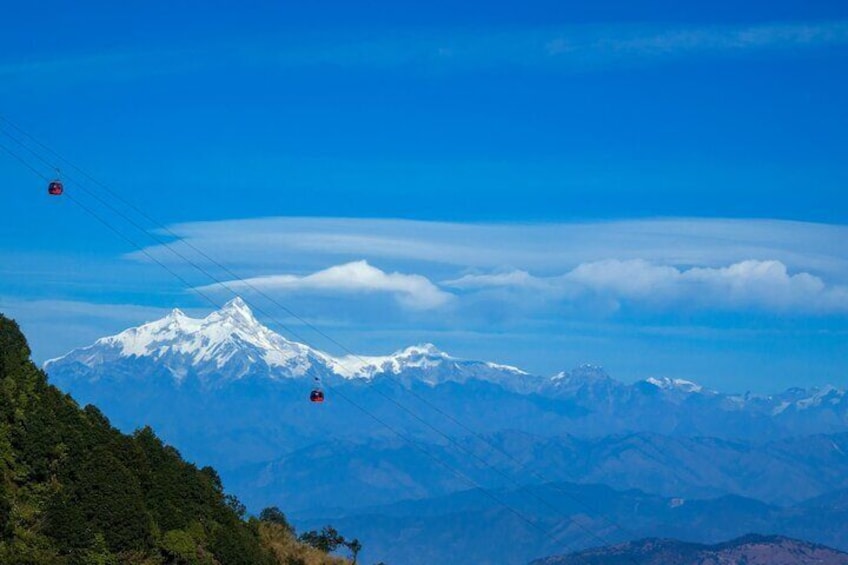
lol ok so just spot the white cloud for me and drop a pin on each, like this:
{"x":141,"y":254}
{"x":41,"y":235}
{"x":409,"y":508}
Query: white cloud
{"x":516,"y":279}
{"x":443,"y":250}
{"x":770,"y":265}
{"x":412,"y":291}
{"x":764,"y":285}
{"x":767,"y":284}
{"x":635,"y":278}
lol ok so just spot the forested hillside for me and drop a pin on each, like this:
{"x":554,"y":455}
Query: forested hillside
{"x":76,"y":490}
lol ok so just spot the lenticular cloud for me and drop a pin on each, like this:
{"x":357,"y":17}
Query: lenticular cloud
{"x":412,"y":291}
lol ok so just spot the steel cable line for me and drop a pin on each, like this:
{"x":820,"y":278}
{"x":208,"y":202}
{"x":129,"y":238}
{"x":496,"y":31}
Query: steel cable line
{"x":355,"y":404}
{"x":448,"y":416}
{"x":345,"y":397}
{"x":544,"y":531}
{"x":115,"y":230}
{"x":474,"y":433}
{"x":146,"y":233}
{"x":223,"y":284}
{"x":414,"y":415}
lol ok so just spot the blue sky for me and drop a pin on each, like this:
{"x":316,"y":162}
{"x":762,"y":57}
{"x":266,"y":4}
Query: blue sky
{"x":655,"y":187}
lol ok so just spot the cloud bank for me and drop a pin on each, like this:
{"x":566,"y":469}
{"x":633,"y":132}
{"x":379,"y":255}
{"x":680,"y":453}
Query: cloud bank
{"x":751,"y":284}
{"x":663,"y":264}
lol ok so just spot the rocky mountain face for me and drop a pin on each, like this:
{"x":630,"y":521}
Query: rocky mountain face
{"x":751,"y":550}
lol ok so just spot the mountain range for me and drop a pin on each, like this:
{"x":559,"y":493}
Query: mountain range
{"x":230,"y":348}
{"x":230,"y":345}
{"x":230,"y":392}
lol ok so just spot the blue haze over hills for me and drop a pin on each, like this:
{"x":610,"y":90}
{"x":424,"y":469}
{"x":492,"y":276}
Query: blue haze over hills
{"x":229,"y":392}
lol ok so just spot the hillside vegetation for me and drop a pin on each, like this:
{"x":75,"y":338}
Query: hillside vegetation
{"x":74,"y":490}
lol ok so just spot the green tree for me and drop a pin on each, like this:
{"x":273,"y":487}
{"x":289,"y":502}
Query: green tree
{"x":355,"y":547}
{"x":180,"y":546}
{"x":110,"y":499}
{"x":274,"y":515}
{"x":327,"y":540}
{"x":235,"y":505}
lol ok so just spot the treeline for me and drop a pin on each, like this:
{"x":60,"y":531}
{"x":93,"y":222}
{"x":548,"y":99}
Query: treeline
{"x":74,"y":490}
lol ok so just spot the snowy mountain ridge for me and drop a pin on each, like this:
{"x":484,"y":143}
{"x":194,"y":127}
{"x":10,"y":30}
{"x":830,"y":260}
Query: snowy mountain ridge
{"x":230,"y":344}
{"x":676,"y":384}
{"x":231,"y":334}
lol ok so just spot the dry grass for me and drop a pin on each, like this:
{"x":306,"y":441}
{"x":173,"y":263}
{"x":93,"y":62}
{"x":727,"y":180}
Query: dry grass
{"x":287,"y":549}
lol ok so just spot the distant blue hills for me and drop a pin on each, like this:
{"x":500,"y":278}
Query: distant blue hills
{"x":229,"y":392}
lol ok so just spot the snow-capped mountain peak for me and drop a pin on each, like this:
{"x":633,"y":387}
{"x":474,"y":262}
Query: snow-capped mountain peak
{"x":230,"y":350}
{"x":231,"y":343}
{"x":681,"y":385}
{"x":231,"y":336}
{"x":236,"y":312}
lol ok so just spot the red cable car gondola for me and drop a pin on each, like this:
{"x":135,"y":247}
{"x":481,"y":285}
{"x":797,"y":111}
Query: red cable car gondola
{"x":55,"y":188}
{"x":317,"y":395}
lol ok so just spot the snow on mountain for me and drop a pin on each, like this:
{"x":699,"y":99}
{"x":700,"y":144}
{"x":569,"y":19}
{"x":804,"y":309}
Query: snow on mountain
{"x":432,"y":366}
{"x":828,"y":394}
{"x":681,"y":385}
{"x":684,"y":404}
{"x":423,"y":356}
{"x":581,"y":376}
{"x":585,"y":379}
{"x":231,"y":343}
{"x":230,"y":337}
{"x":796,"y":400}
